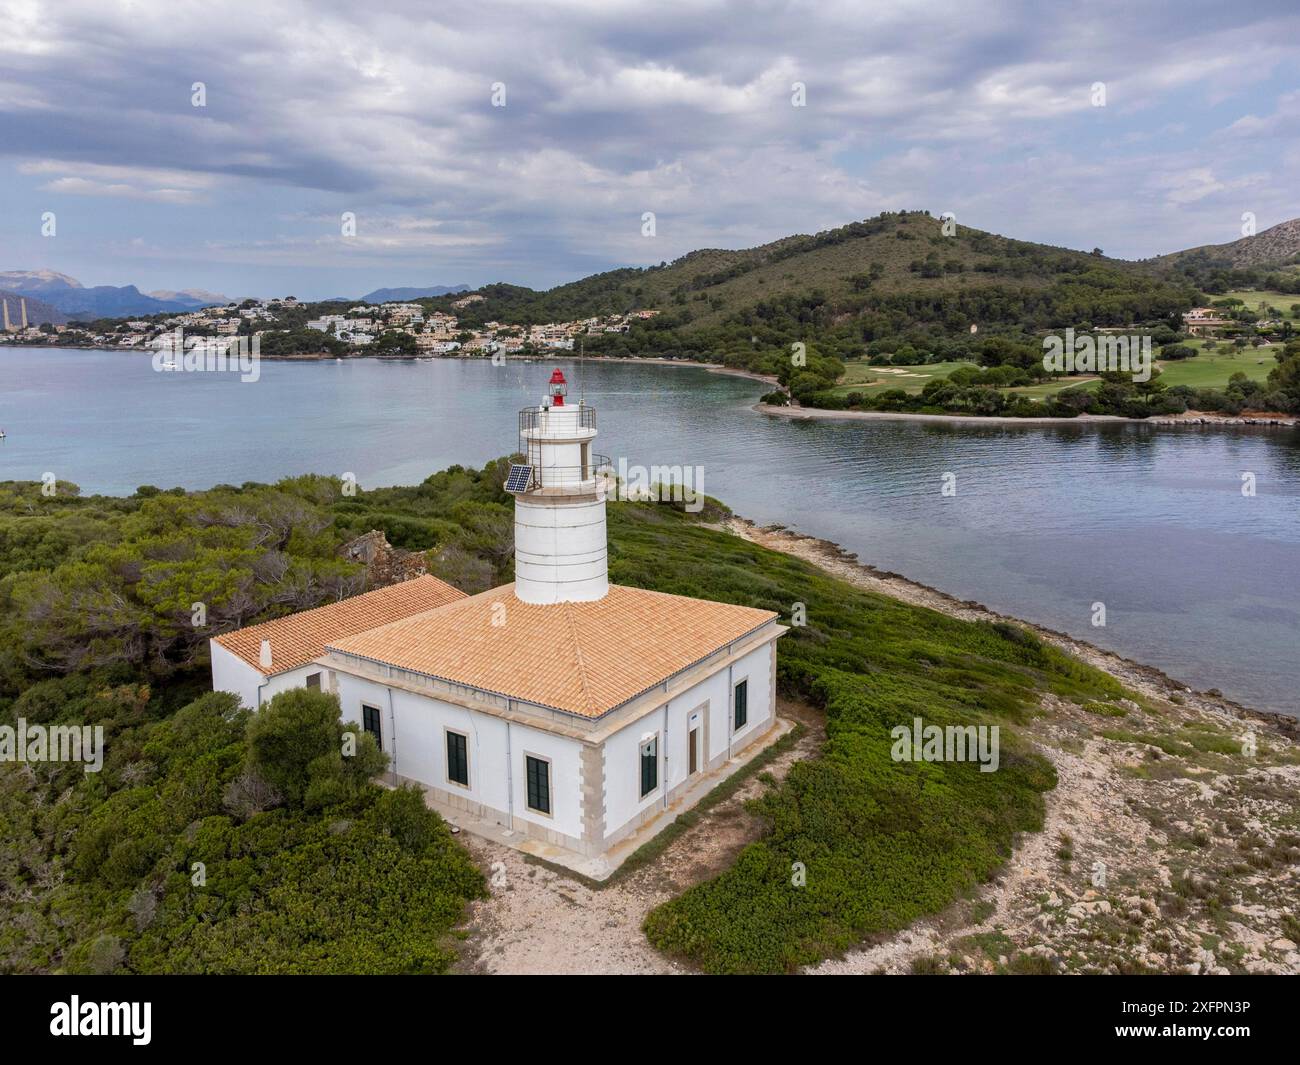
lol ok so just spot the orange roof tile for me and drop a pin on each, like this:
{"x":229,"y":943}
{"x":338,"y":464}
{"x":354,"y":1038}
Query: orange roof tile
{"x":296,"y":639}
{"x":583,"y":658}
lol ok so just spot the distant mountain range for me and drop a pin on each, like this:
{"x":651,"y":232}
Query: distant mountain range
{"x":389,"y":295}
{"x":894,"y":257}
{"x":63,"y":297}
{"x":70,"y":297}
{"x":206,"y":299}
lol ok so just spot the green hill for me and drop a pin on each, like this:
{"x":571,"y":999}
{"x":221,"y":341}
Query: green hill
{"x":889,"y":255}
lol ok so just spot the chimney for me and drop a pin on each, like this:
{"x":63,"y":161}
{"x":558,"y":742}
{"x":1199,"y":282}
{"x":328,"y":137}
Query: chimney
{"x":264,"y":659}
{"x":8,"y":327}
{"x":23,"y":303}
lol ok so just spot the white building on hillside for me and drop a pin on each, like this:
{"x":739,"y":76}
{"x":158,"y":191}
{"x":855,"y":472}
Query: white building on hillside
{"x":561,"y":714}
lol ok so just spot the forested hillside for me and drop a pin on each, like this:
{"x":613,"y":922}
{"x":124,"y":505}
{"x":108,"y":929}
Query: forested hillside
{"x":902,"y":285}
{"x":904,"y":252}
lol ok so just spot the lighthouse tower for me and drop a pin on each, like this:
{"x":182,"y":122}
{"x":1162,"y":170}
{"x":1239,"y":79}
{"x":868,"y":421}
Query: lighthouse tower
{"x":559,"y":489}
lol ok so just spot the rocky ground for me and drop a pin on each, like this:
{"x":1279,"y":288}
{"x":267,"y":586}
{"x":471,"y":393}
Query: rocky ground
{"x":1168,"y":846}
{"x":1165,"y":849}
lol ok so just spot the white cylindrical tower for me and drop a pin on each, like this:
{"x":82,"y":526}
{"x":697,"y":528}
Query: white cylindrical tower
{"x":560,"y":545}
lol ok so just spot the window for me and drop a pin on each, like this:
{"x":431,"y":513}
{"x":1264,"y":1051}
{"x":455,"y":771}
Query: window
{"x":741,"y":715}
{"x":370,"y":722}
{"x":313,"y":680}
{"x":457,"y":759}
{"x":649,"y":766}
{"x":538,"y":772}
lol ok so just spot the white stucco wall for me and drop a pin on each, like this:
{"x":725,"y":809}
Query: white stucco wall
{"x":560,"y":550}
{"x":232,"y":674}
{"x":712,"y":698}
{"x":293,"y":678}
{"x":414,"y":737}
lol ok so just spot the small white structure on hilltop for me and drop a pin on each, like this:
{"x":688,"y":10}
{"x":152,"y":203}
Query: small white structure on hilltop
{"x":560,"y":714}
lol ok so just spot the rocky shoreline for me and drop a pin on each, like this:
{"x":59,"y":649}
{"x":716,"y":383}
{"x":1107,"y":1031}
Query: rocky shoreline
{"x":1169,"y":842}
{"x":835,"y":559}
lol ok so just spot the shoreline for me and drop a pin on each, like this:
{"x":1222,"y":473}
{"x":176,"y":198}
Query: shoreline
{"x":1147,"y":680}
{"x":1191,"y":418}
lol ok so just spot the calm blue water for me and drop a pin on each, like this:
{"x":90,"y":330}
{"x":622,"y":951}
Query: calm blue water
{"x":1197,"y":579}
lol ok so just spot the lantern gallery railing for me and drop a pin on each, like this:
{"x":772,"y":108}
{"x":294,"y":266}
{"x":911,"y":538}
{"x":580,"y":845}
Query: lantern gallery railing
{"x":528,"y":478}
{"x":576,"y":417}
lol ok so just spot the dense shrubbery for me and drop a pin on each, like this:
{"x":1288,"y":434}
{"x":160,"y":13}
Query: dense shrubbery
{"x":1219,"y":275}
{"x":86,"y":583}
{"x":300,"y":341}
{"x":179,"y":857}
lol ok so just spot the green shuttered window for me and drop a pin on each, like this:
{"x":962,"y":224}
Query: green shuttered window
{"x":457,"y":759}
{"x":538,"y":772}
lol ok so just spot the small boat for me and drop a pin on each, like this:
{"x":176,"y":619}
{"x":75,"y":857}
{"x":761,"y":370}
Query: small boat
{"x":2,"y":434}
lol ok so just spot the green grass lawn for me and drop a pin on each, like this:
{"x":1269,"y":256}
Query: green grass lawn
{"x":1205,"y":370}
{"x":860,"y":377}
{"x":1253,"y":297}
{"x":1211,"y":369}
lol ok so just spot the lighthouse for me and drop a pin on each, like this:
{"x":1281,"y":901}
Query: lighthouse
{"x":560,"y":541}
{"x":583,"y":719}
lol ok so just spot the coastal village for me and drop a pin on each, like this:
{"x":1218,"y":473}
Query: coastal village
{"x":433,"y":332}
{"x":358,"y":327}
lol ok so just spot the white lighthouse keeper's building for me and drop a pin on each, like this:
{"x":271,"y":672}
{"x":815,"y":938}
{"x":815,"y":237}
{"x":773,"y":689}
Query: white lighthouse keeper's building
{"x":562,"y":714}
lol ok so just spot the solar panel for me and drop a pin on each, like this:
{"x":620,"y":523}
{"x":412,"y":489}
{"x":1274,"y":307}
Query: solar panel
{"x":519,"y":479}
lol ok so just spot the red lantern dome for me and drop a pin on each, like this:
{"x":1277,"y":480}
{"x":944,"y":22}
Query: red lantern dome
{"x":558,"y":388}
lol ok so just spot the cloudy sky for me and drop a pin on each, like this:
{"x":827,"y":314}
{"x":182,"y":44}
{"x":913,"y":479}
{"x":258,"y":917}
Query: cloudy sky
{"x":613,"y":109}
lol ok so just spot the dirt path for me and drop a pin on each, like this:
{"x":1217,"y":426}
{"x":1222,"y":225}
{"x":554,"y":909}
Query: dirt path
{"x":541,"y":921}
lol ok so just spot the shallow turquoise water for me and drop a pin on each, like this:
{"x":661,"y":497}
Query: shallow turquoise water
{"x":1197,"y":579}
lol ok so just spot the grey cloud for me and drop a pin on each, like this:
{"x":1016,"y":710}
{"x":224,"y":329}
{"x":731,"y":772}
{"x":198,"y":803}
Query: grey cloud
{"x":616,"y":108}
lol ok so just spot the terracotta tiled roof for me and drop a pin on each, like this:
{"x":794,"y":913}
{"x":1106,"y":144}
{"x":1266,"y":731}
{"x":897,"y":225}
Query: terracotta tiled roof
{"x":296,"y":639}
{"x":582,"y":658}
